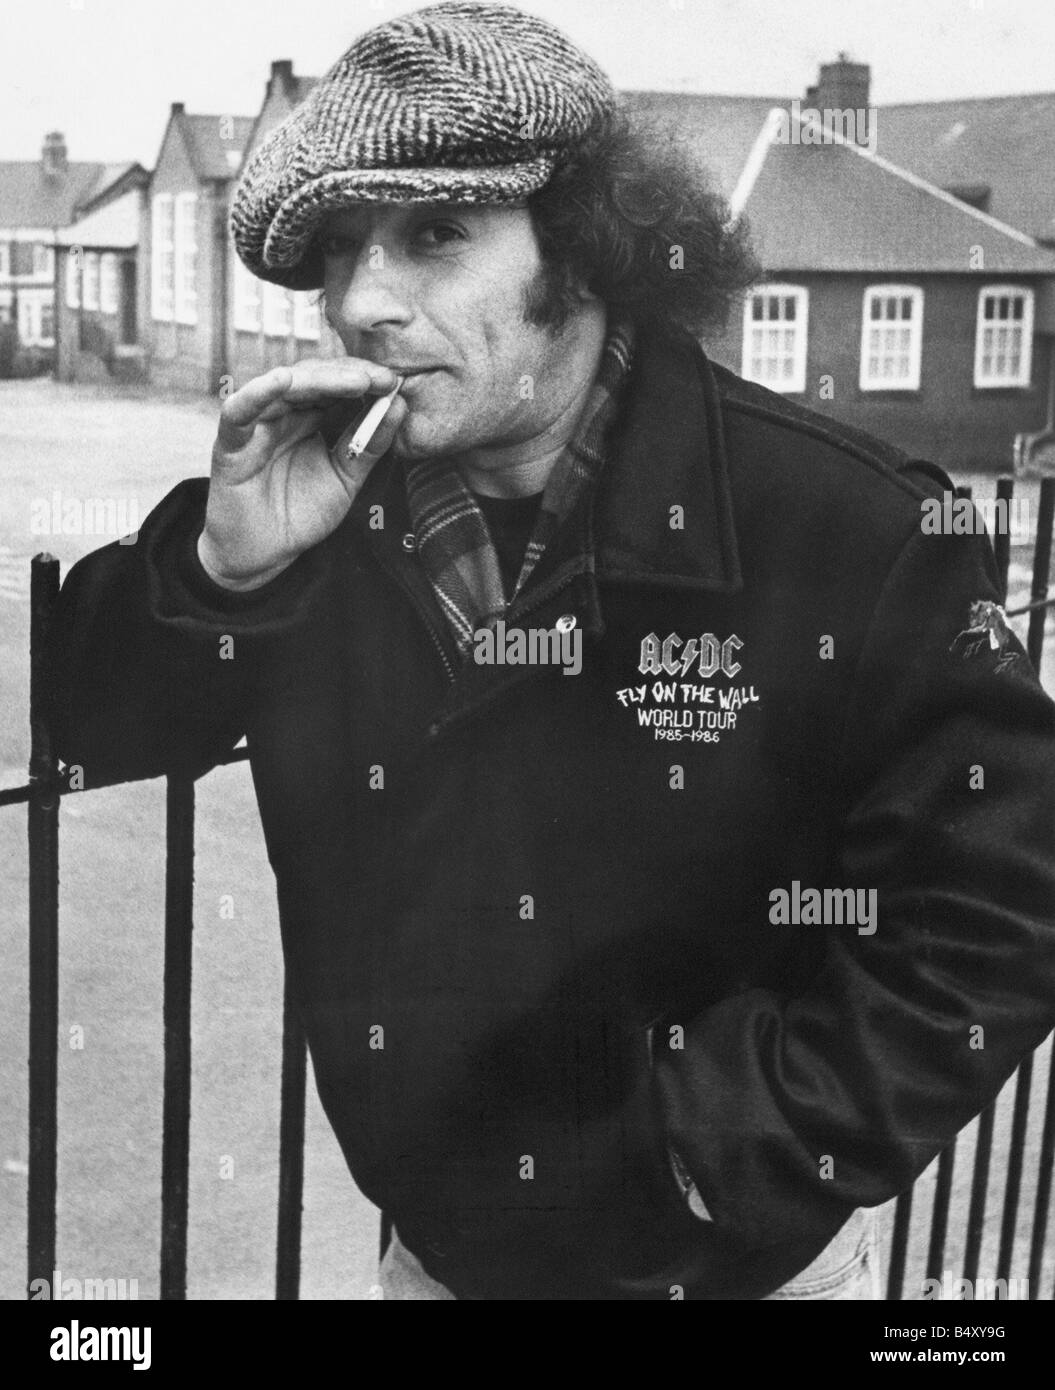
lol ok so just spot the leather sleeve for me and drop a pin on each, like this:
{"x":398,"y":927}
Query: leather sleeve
{"x":151,"y":666}
{"x":948,"y":767}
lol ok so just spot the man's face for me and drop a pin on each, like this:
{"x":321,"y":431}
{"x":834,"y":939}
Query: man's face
{"x":437,"y":292}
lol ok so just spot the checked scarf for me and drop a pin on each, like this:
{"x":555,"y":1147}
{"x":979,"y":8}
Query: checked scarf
{"x":453,"y":542}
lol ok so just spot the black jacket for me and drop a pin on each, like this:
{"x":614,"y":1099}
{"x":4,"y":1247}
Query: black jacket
{"x":572,"y":957}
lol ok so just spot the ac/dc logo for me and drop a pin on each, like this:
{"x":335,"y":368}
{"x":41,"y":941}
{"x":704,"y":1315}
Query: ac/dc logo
{"x":706,"y":653}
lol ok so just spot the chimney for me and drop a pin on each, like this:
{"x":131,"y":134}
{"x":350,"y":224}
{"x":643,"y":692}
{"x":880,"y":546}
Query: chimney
{"x":281,"y":75}
{"x":178,"y":108}
{"x":53,"y":156}
{"x":844,"y":86}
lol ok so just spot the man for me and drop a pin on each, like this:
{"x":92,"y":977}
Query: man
{"x":642,"y":961}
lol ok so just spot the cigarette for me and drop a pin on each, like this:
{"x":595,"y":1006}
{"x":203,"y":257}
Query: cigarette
{"x":371,"y":422}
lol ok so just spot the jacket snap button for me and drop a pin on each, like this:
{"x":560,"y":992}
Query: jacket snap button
{"x":566,"y":622}
{"x":408,"y":541}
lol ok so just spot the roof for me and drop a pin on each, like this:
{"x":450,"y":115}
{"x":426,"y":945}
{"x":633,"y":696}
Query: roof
{"x":840,"y":207}
{"x":299,"y":87}
{"x":29,"y":199}
{"x":114,"y":226}
{"x":721,"y":129}
{"x":1005,"y":143}
{"x":212,"y":155}
{"x":282,"y":97}
{"x":117,"y":181}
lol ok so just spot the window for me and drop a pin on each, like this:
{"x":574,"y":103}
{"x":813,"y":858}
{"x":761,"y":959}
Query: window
{"x":1003,"y":344}
{"x":108,"y":282}
{"x":43,"y":260}
{"x":73,"y":278}
{"x":775,"y":337}
{"x":276,"y":311}
{"x":91,"y":279}
{"x":5,"y":259}
{"x":306,"y":316}
{"x":891,"y":338}
{"x":36,"y":318}
{"x":162,"y":264}
{"x":186,"y":258}
{"x":246,"y":299}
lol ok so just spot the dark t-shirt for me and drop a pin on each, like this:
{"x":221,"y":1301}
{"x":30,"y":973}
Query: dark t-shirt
{"x":510,"y":521}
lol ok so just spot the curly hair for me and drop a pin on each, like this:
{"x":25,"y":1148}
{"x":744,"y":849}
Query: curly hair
{"x":631,"y":217}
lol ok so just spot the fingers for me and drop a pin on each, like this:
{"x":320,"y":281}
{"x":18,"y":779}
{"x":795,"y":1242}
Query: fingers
{"x":309,"y":384}
{"x":354,"y":469}
{"x":241,"y":410}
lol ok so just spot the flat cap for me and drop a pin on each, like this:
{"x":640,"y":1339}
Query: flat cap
{"x":458,"y":102}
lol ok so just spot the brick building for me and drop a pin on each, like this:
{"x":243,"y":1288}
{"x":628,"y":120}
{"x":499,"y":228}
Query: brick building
{"x":267,"y":325}
{"x":37,"y":198}
{"x":97,"y":302}
{"x":183,"y":290}
{"x":891,"y":303}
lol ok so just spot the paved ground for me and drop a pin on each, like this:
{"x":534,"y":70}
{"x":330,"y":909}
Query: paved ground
{"x":131,"y":448}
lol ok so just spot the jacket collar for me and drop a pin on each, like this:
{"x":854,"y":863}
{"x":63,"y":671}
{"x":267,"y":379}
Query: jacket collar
{"x":667,"y":450}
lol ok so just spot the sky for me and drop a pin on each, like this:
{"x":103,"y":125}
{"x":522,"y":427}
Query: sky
{"x":105,"y":72}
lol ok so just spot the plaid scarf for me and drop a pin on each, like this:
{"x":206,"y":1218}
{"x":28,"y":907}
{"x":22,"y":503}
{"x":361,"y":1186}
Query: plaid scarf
{"x":453,"y":542}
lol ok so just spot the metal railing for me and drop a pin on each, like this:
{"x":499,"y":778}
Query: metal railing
{"x":42,"y":795}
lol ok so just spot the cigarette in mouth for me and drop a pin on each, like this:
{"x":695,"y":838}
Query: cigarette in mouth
{"x":371,"y":422}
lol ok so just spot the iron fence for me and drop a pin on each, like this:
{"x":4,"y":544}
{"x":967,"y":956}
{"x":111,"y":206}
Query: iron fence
{"x":42,"y":795}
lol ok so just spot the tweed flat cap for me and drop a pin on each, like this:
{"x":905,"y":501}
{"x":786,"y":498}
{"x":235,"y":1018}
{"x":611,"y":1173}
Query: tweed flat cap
{"x":458,"y":102}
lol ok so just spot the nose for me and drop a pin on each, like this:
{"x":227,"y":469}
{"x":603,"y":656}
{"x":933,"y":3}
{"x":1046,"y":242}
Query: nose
{"x":368,"y":294}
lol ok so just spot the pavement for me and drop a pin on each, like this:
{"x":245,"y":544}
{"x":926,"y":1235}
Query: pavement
{"x":129,"y":448}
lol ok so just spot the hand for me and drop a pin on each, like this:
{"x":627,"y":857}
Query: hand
{"x":276,"y":490}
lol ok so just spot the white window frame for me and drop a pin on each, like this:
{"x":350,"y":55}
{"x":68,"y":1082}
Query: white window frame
{"x":246,"y":298}
{"x":43,"y":261}
{"x":90,"y":289}
{"x":73,"y":279}
{"x":877,"y":381}
{"x":162,"y":259}
{"x":785,"y":382}
{"x":108,"y":292}
{"x":30,"y":305}
{"x":278,"y":311}
{"x":186,"y":257}
{"x":990,"y":380}
{"x":306,"y":316}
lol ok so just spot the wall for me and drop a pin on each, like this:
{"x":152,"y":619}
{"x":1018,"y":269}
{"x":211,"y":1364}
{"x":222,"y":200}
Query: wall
{"x":182,"y":356}
{"x":947,"y":420}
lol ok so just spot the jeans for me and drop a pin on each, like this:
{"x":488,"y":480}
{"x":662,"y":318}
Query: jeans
{"x":847,"y":1268}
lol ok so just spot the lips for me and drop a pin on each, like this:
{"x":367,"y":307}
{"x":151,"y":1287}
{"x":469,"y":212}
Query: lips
{"x":416,"y":374}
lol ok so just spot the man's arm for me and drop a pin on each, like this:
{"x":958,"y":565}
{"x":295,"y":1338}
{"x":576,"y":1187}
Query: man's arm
{"x":150,"y":664}
{"x":155,"y":646}
{"x":906,"y":1034}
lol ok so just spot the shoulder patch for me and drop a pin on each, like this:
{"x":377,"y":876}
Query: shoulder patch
{"x":986,"y":630}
